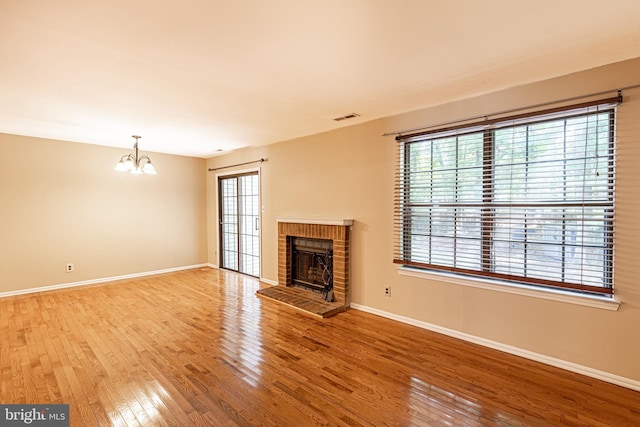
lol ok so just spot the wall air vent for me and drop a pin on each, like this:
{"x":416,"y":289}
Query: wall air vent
{"x":348,"y":116}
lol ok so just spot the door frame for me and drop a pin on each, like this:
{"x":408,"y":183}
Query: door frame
{"x":218,"y":207}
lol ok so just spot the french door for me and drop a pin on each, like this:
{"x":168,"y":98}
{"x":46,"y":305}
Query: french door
{"x":239,"y":219}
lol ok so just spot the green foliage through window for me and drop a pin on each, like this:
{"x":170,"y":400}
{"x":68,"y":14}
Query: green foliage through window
{"x":523,"y":200}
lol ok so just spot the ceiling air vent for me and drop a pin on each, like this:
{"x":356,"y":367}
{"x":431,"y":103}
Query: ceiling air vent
{"x":348,"y":116}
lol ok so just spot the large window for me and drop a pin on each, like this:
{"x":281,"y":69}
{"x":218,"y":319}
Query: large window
{"x":527,"y":199}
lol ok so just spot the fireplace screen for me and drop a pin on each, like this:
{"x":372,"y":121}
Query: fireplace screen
{"x":312,"y":265}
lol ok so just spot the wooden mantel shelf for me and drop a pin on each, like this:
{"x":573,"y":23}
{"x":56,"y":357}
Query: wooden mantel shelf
{"x":340,"y":222}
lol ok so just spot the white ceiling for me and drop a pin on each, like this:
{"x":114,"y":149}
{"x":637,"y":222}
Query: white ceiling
{"x":196,"y":76}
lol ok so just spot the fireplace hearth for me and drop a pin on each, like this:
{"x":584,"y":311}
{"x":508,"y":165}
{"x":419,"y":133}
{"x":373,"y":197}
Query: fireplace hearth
{"x":313,"y":260}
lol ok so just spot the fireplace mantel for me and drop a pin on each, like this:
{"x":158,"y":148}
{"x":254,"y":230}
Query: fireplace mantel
{"x":339,"y":222}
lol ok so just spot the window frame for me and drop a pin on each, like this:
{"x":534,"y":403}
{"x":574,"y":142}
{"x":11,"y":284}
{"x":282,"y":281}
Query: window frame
{"x":488,"y":129}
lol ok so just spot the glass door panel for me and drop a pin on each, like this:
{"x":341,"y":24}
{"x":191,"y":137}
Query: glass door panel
{"x":239,"y":201}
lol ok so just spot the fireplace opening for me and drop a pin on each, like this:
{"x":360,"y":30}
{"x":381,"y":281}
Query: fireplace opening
{"x":312,"y":265}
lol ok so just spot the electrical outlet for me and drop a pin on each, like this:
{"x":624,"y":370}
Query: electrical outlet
{"x":70,"y":267}
{"x":387,"y":291}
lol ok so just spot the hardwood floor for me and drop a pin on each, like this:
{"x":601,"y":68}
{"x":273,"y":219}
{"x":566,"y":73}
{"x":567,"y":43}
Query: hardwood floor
{"x":199,"y":348}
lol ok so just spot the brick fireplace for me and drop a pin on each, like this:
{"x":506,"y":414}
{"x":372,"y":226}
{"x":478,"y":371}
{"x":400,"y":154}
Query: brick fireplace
{"x":336,"y":231}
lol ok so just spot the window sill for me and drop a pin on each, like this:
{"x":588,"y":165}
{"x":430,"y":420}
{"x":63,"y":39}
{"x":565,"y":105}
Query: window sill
{"x":513,"y":288}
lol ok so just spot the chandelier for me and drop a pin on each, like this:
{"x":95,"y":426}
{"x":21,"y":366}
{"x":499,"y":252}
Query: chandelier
{"x":135,"y":164}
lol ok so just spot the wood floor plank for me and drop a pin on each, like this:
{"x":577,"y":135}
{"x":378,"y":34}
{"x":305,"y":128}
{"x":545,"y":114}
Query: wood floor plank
{"x":199,"y":348}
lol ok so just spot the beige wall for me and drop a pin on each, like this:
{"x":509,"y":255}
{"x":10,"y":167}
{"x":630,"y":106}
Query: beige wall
{"x":349,"y":172}
{"x":62,"y":202}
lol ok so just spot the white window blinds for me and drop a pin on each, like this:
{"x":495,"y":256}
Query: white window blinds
{"x":527,"y":199}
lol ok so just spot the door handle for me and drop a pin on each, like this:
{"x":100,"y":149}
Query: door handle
{"x":257,"y":223}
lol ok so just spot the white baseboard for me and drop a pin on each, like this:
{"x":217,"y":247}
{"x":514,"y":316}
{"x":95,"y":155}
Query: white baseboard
{"x":96,"y":281}
{"x":213,"y":266}
{"x":268,"y":281}
{"x":558,"y":363}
